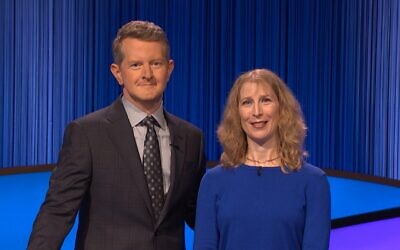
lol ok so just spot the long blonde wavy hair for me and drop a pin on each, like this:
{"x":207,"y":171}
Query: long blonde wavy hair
{"x":291,"y":126}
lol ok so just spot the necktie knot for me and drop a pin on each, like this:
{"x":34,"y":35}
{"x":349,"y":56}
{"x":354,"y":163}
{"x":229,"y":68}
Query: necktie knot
{"x":149,"y":122}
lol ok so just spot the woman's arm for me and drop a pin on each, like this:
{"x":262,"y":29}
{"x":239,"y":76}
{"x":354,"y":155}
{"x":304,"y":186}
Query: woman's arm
{"x":206,"y":229}
{"x":318,"y":214}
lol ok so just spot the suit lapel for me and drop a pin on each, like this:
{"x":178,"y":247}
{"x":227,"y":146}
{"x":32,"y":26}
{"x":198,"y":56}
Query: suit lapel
{"x":178,"y":141}
{"x":121,"y":134}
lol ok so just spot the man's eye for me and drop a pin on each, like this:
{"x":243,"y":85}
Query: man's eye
{"x":156,"y":64}
{"x":136,"y":66}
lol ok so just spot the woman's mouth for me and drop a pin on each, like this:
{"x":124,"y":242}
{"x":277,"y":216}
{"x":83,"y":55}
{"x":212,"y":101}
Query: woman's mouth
{"x":258,"y":124}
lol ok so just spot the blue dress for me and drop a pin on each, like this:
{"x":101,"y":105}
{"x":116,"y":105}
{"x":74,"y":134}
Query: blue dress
{"x":250,"y":208}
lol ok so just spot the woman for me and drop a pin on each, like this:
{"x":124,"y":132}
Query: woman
{"x":263,"y":195}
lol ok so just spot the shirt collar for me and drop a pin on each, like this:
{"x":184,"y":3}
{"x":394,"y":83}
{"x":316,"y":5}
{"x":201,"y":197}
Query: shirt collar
{"x":135,"y":115}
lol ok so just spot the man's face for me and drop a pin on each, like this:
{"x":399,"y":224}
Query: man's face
{"x":143,"y":73}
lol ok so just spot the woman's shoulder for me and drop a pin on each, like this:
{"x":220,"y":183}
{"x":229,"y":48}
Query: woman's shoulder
{"x":312,"y":170}
{"x":316,"y":181}
{"x":218,"y":173}
{"x":218,"y":170}
{"x":214,"y":180}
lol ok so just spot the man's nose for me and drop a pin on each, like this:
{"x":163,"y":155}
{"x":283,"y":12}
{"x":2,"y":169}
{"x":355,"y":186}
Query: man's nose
{"x":147,"y":71}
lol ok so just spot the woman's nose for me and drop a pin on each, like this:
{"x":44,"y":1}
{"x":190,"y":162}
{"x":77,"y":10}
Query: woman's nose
{"x":257,"y":111}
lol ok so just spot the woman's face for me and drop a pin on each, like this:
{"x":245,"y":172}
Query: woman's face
{"x":259,"y":113}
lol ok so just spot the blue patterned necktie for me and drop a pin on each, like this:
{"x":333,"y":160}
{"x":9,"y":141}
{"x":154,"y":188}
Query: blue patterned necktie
{"x":152,"y":166}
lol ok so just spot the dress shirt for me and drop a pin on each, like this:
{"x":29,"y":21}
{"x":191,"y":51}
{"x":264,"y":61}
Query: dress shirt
{"x":135,"y":116}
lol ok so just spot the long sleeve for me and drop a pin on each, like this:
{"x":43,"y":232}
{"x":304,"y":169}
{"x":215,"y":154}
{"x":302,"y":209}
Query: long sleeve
{"x":244,"y":208}
{"x":192,"y":201}
{"x":68,"y":184}
{"x":206,"y":231}
{"x":317,"y":221}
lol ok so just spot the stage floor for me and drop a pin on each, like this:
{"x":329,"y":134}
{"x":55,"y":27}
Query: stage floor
{"x":22,"y":194}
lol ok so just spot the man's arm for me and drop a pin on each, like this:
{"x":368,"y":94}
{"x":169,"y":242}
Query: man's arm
{"x":200,"y":170}
{"x":68,"y":185}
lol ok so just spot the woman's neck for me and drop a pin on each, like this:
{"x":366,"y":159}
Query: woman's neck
{"x":262,"y":155}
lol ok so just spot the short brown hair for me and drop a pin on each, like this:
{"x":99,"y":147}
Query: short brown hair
{"x":142,"y":30}
{"x":291,"y":126}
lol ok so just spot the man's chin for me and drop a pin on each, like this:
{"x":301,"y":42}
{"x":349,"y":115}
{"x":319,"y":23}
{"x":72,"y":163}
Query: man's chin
{"x":145,"y":102}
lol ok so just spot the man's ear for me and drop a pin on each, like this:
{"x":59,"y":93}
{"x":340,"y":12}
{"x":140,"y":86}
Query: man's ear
{"x":171,"y":65}
{"x":116,"y":73}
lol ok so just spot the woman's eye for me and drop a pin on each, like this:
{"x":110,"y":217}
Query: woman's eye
{"x":246,"y":102}
{"x":266,"y":100}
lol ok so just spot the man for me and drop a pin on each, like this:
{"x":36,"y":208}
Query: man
{"x":109,"y":160}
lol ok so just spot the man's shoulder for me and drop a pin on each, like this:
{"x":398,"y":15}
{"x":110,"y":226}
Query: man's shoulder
{"x":113,"y":111}
{"x":181,"y":123}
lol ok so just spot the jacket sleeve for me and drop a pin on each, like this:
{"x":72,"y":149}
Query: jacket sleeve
{"x":199,"y":172}
{"x":68,"y":184}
